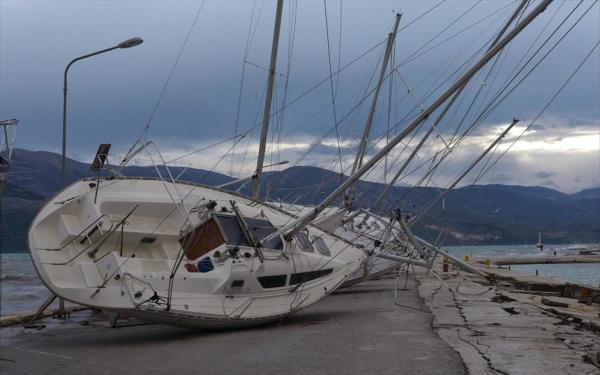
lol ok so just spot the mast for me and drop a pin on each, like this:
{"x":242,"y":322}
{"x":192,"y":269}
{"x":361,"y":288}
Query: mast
{"x":267,"y":113}
{"x":367,"y":130}
{"x":443,"y":113}
{"x":291,"y":228}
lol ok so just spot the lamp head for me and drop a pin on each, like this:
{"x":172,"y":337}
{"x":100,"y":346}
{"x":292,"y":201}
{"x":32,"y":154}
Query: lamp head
{"x":131,"y":43}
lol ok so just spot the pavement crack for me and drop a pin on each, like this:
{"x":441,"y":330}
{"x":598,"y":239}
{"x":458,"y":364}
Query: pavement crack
{"x":487,"y":360}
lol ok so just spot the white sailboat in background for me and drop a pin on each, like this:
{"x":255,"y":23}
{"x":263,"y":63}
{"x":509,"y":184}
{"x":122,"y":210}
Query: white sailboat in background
{"x":192,"y":255}
{"x":6,"y":151}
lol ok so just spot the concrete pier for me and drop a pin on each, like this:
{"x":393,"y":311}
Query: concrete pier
{"x":548,"y":259}
{"x":356,"y":331}
{"x":520,"y":325}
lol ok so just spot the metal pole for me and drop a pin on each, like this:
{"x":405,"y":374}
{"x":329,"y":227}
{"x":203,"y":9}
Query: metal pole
{"x":126,"y":44}
{"x":268,"y":99}
{"x":296,"y":225}
{"x":64,"y":133}
{"x":401,"y":259}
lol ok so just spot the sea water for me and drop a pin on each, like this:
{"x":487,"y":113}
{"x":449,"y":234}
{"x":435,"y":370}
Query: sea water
{"x":580,"y":273}
{"x":21,"y":291}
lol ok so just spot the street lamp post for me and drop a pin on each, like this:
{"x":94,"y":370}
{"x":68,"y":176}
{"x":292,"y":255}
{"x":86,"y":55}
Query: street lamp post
{"x":126,"y":44}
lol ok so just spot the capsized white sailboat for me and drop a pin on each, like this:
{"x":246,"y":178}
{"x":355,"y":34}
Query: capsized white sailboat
{"x":118,"y":246}
{"x":185,"y":254}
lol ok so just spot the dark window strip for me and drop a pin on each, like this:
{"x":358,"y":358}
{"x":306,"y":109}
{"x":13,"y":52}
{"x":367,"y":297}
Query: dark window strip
{"x":303,"y":277}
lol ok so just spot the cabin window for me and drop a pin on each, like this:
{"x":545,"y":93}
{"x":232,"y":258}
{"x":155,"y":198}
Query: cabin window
{"x":321,"y":245}
{"x":303,"y":277}
{"x":304,"y":242}
{"x":272,"y":281}
{"x":201,"y":240}
{"x":260,"y":228}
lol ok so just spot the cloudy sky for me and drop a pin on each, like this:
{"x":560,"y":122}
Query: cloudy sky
{"x":198,"y":51}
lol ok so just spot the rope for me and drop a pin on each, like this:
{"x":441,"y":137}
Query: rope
{"x":164,"y":88}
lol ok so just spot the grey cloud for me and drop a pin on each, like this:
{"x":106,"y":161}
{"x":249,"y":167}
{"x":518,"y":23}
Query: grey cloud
{"x":113,"y":96}
{"x":543,"y":174}
{"x":500,"y":178}
{"x":538,"y":127}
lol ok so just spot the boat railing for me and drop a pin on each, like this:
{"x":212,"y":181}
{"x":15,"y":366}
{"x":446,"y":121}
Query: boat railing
{"x":86,"y":236}
{"x":86,"y":233}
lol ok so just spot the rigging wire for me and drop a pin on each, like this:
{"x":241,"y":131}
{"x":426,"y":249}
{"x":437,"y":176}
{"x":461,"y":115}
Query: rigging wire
{"x":566,"y":82}
{"x":239,"y":101}
{"x":351,"y":62}
{"x":331,"y":86}
{"x":339,"y":56}
{"x":495,"y":102}
{"x":480,"y":89}
{"x":407,"y":116}
{"x":490,"y":107}
{"x":493,"y":105}
{"x":166,"y":84}
{"x":408,"y":59}
{"x":242,"y":135}
{"x":415,"y":55}
{"x":389,"y":111}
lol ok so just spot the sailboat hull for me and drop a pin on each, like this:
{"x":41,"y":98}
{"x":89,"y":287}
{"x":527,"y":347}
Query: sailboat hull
{"x":176,"y":253}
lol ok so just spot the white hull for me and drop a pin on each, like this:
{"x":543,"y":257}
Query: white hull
{"x":359,"y":233}
{"x":122,"y":273}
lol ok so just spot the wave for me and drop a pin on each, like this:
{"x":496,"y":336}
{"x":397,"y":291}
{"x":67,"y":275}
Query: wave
{"x":19,"y":277}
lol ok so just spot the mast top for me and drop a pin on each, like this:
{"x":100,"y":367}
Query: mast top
{"x":12,"y":121}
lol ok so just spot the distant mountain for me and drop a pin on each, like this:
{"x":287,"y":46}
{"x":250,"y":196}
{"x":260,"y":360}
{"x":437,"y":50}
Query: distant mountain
{"x":593,"y":193}
{"x":39,"y":172}
{"x":477,"y":214}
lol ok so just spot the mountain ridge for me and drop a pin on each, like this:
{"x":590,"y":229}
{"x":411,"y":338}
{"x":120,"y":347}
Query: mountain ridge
{"x":474,"y":214}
